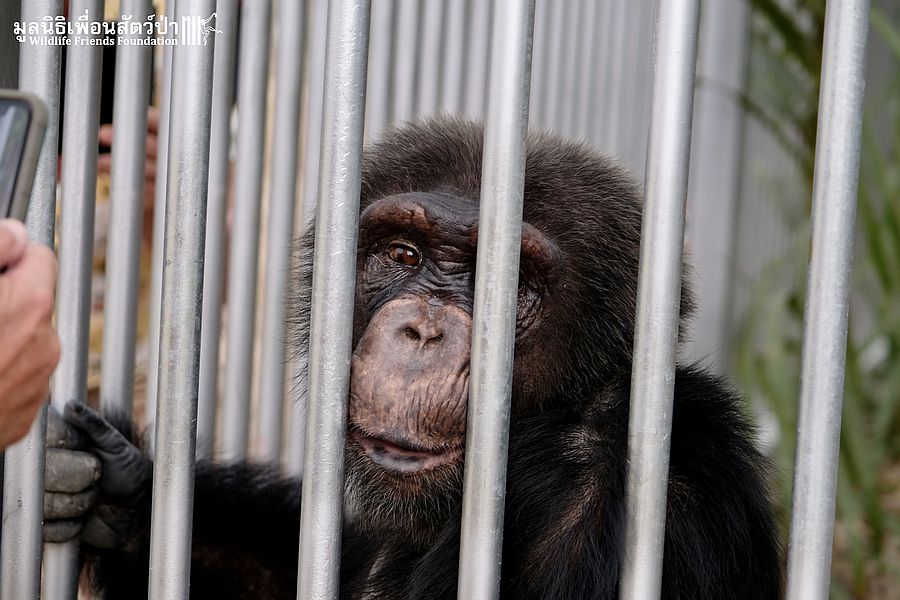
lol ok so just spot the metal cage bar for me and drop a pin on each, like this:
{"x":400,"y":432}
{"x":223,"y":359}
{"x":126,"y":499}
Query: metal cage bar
{"x":23,"y":481}
{"x":539,"y":64}
{"x":292,"y":456}
{"x":659,"y":296}
{"x":282,"y":197}
{"x":404,"y":59}
{"x":600,"y":80}
{"x":334,"y":278}
{"x":615,"y":73}
{"x":551,"y":60}
{"x":378,"y":80}
{"x":496,"y":290}
{"x":589,"y":43}
{"x":224,"y":64}
{"x":159,"y":228}
{"x":182,"y":300}
{"x":827,"y":298}
{"x":428,"y":69}
{"x":126,"y":198}
{"x":568,"y":68}
{"x":474,"y":78}
{"x":81,"y":120}
{"x":315,"y":98}
{"x":453,"y":49}
{"x":253,"y":70}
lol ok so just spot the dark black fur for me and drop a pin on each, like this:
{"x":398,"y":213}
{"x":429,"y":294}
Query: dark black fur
{"x":565,"y":509}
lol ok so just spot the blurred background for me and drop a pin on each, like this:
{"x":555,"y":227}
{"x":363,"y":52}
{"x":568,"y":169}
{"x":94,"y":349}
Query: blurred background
{"x":754,"y":137}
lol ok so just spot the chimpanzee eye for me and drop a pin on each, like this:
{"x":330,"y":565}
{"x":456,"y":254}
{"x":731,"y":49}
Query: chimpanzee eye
{"x":404,"y":253}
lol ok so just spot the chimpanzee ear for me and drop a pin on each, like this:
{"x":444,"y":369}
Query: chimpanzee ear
{"x":541,"y":257}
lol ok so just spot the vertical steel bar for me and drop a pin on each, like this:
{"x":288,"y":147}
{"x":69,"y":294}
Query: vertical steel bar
{"x":600,"y":84}
{"x":81,"y":121}
{"x":623,"y":94}
{"x":292,"y":459}
{"x":587,"y":66}
{"x":615,"y":74}
{"x":642,"y":77}
{"x":568,"y":67}
{"x":253,"y":71}
{"x":159,"y":227}
{"x":539,"y":63}
{"x":659,"y":297}
{"x":23,"y":482}
{"x":631,"y":86}
{"x":334,"y":278}
{"x":496,"y":289}
{"x":379,"y":80}
{"x":182,"y":301}
{"x":428,"y":70}
{"x":552,"y":63}
{"x":453,"y":51}
{"x":126,"y":198}
{"x":216,"y":210}
{"x":282,"y":198}
{"x":475,"y":76}
{"x":312,"y":143}
{"x":405,"y":54}
{"x":716,"y":169}
{"x":827,"y":298}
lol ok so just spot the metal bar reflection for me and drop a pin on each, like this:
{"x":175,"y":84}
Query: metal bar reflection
{"x":496,"y":289}
{"x":334,"y":278}
{"x":131,"y":98}
{"x":827,"y":299}
{"x":182,"y":300}
{"x":159,"y":228}
{"x":23,"y":481}
{"x":81,"y":120}
{"x":659,"y":297}
{"x":253,"y":71}
{"x":216,"y":210}
{"x":282,"y":199}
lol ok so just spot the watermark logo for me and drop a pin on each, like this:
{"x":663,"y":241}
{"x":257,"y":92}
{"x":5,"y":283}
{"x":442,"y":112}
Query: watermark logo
{"x":127,"y":31}
{"x":195,"y":31}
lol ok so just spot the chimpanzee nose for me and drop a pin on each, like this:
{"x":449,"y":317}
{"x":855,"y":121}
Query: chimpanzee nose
{"x":423,"y":332}
{"x":412,"y":330}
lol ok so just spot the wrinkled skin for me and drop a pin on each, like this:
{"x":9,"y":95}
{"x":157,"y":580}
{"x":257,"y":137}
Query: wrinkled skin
{"x":564,"y":515}
{"x":74,"y":480}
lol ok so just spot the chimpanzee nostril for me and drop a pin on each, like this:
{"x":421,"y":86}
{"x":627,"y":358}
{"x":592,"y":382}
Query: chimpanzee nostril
{"x":423,"y":334}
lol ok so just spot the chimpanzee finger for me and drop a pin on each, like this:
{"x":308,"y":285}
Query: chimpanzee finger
{"x":69,"y":506}
{"x":106,"y":438}
{"x":57,"y":532}
{"x":70,"y":471}
{"x":126,"y":471}
{"x":60,"y":434}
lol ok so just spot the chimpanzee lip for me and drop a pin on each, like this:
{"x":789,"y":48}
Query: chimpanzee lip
{"x":403,"y":456}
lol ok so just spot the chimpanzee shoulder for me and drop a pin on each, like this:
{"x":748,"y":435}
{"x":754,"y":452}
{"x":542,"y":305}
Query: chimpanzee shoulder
{"x":565,"y":511}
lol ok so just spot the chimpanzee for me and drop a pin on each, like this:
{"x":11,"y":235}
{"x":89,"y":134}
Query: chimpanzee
{"x":565,"y":507}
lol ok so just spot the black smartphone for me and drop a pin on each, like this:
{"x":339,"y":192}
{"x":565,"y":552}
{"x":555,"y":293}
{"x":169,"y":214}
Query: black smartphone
{"x":23,"y":120}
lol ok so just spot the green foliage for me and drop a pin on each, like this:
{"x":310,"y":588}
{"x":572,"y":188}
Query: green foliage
{"x":784,"y":83}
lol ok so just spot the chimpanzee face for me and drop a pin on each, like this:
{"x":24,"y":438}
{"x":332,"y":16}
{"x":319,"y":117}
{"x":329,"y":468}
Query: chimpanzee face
{"x":413,"y":326}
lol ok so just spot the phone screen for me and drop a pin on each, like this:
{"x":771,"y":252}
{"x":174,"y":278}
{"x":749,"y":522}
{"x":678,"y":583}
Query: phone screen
{"x":15,"y":117}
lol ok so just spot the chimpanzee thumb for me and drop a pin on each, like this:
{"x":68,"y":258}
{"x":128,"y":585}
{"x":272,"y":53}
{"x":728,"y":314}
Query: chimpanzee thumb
{"x":127,"y":472}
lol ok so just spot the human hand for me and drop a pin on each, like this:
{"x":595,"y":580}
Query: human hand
{"x":29,"y":346}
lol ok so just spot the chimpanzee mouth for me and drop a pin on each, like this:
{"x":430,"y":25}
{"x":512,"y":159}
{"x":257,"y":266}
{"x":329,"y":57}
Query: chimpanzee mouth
{"x":400,"y":457}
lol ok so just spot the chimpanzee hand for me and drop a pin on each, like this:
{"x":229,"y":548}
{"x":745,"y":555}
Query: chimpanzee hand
{"x":70,"y":490}
{"x":97,"y":482}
